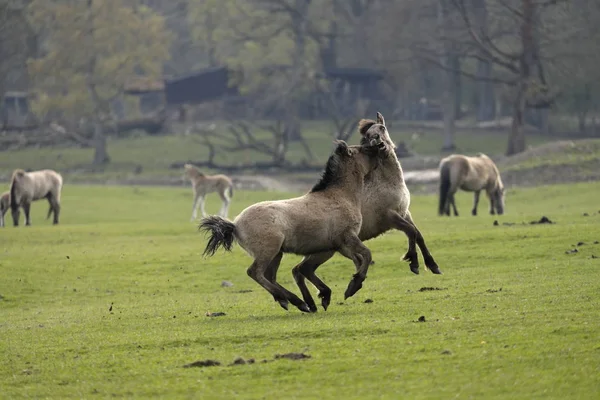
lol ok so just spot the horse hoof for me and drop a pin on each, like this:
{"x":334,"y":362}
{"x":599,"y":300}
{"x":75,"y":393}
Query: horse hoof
{"x":353,"y":287}
{"x":304,"y":307}
{"x":414,"y":269}
{"x":325,"y":303}
{"x":283,"y":304}
{"x":436,"y":271}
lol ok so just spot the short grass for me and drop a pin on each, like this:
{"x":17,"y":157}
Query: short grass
{"x":154,"y":154}
{"x":515,"y":317}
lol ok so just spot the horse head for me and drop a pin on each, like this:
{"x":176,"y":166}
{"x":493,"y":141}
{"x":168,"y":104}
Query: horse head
{"x":373,"y":132}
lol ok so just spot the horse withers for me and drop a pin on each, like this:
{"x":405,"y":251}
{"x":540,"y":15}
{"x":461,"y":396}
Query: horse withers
{"x":327,"y":218}
{"x":204,"y":184}
{"x":4,"y":206}
{"x":471,"y":174}
{"x":384,"y":200}
{"x":26,"y":187}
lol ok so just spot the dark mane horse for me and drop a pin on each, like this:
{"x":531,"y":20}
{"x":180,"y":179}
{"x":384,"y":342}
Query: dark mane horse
{"x":327,"y":218}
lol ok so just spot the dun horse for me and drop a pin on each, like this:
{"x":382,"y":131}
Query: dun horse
{"x":4,"y":206}
{"x":26,"y":187}
{"x":325,"y":219}
{"x":205,"y":184}
{"x":384,"y":205}
{"x":471,"y":174}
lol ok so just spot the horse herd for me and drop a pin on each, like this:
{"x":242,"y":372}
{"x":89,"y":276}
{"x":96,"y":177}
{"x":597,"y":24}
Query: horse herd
{"x":361,"y":195}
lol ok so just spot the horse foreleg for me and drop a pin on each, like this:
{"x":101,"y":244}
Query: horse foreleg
{"x":201,"y":199}
{"x":2,"y":212}
{"x":195,"y":207}
{"x":427,"y":257}
{"x":475,"y":202}
{"x":355,"y":250}
{"x":453,"y":204}
{"x":306,"y":269}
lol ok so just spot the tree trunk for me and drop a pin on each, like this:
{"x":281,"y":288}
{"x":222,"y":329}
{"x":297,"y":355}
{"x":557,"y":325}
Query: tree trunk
{"x":486,"y":107}
{"x":449,"y":82}
{"x":100,"y":152}
{"x":516,"y":140}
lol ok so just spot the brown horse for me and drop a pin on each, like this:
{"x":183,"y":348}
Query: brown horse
{"x":384,"y":206}
{"x":325,"y":219}
{"x":4,"y":206}
{"x":205,"y":184}
{"x":26,"y":187}
{"x":471,"y":174}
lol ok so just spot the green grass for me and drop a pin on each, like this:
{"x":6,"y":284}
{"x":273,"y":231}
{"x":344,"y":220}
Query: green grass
{"x":517,"y":317}
{"x":155,"y":153}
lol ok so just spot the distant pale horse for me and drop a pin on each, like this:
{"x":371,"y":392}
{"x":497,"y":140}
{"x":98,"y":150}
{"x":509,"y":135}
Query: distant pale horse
{"x":4,"y":206}
{"x":471,"y":174}
{"x":26,"y":187}
{"x":205,"y":184}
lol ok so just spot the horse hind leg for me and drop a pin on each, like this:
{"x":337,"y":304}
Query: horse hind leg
{"x":410,"y":231}
{"x":453,"y":204}
{"x":26,"y":210}
{"x":355,"y":250}
{"x":225,"y":203}
{"x":427,"y":257}
{"x":271,"y":275}
{"x":54,"y":208}
{"x":306,"y":270}
{"x":263,"y":267}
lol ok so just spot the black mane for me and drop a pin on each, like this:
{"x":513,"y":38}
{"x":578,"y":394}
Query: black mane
{"x":330,"y":176}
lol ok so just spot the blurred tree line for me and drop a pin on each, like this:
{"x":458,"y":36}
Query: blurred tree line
{"x":484,"y":59}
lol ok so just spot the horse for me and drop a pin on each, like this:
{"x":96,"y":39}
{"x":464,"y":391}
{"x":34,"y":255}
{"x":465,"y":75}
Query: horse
{"x":327,"y":218}
{"x":385,"y":200}
{"x":4,"y":206}
{"x":205,"y":184}
{"x":471,"y":174}
{"x":26,"y":187}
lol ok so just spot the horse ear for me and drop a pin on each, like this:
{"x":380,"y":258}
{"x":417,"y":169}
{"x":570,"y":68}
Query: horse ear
{"x":380,"y":119}
{"x":342,"y":148}
{"x":364,"y":125}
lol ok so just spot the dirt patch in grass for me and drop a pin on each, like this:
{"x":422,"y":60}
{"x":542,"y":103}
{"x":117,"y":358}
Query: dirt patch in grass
{"x":429,"y":289}
{"x":292,"y":356}
{"x":203,"y":363}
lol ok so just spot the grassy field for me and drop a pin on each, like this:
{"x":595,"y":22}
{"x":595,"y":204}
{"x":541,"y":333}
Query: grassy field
{"x":148,"y":157}
{"x":514,"y":317}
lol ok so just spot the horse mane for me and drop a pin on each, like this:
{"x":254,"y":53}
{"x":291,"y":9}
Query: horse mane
{"x":364,"y":125}
{"x":330,"y":175}
{"x":190,"y":167}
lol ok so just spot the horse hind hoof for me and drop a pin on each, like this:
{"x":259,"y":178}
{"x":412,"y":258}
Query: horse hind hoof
{"x":304,"y":308}
{"x":436,"y":271}
{"x":283,"y":304}
{"x":325,"y":303}
{"x":414,"y":269}
{"x":353,"y":287}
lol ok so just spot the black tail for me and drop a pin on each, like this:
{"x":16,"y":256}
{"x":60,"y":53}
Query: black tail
{"x":444,"y":187}
{"x":221,"y":233}
{"x":13,"y":190}
{"x":231,"y":191}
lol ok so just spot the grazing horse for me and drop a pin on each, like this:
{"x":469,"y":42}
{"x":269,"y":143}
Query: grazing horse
{"x":325,"y":219}
{"x":205,"y":184}
{"x":4,"y":206}
{"x":26,"y":187}
{"x":384,"y":206}
{"x":471,"y":174}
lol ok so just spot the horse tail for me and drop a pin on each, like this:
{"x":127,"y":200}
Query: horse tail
{"x":222,"y":233}
{"x":444,"y":186}
{"x":17,"y":174}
